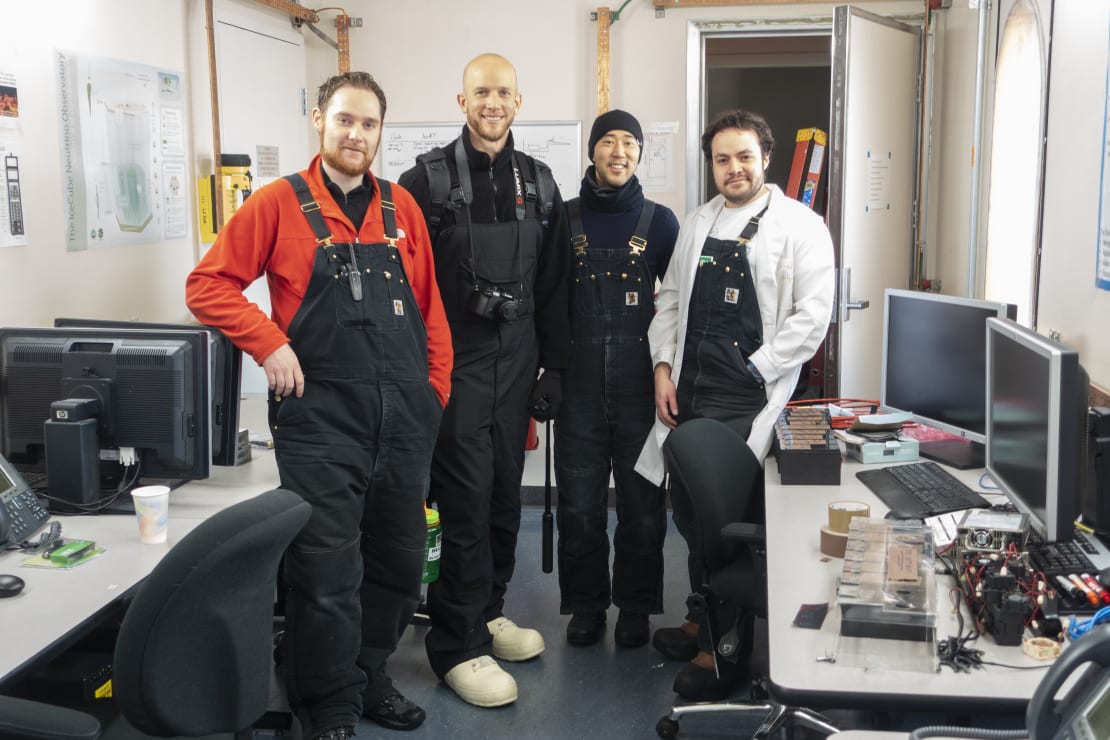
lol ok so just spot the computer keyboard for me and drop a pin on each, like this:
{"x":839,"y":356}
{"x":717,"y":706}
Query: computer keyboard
{"x":1061,"y":558}
{"x":920,"y":489}
{"x":37,"y":481}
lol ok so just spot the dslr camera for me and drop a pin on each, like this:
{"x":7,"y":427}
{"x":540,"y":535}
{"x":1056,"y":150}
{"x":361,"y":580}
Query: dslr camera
{"x":494,"y":304}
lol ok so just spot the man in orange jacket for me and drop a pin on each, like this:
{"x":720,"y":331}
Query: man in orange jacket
{"x":358,"y":359}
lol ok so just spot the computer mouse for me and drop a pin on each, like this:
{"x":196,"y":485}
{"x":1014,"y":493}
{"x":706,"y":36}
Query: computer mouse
{"x":10,"y":585}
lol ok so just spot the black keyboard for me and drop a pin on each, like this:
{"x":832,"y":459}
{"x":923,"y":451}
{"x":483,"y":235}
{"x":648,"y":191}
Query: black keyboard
{"x":920,"y":489}
{"x":37,"y":481}
{"x":1062,"y":558}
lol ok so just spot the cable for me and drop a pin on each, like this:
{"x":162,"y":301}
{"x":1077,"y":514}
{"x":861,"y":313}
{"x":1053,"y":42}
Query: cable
{"x":1080,"y":627}
{"x":976,"y":733}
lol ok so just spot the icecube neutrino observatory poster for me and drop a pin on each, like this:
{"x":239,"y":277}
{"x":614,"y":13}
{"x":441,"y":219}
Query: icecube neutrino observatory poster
{"x":122,"y":140}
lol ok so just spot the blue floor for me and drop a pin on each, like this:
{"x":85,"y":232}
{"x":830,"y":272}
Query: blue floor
{"x":568,"y":692}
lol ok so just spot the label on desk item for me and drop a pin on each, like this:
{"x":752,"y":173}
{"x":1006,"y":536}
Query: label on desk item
{"x":842,"y":512}
{"x":833,"y":543}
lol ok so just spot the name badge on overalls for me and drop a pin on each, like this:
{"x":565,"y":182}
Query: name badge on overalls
{"x":632,"y":298}
{"x":732,"y":295}
{"x":398,"y":308}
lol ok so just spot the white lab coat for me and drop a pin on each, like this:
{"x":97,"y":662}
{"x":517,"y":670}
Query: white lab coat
{"x":791,"y":259}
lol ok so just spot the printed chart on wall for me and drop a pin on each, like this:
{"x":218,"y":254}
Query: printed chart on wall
{"x":122,"y":139}
{"x":556,"y":144}
{"x":1102,"y":253}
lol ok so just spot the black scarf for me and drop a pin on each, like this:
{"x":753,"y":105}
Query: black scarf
{"x":627,"y":197}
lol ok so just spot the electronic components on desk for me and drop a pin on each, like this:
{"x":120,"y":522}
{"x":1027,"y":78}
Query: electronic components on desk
{"x":985,"y":530}
{"x":805,"y":449}
{"x":1004,"y":594}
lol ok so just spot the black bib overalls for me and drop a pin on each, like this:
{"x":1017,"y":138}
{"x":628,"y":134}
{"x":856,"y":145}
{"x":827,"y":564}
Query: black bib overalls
{"x":608,"y":411}
{"x":356,"y":446}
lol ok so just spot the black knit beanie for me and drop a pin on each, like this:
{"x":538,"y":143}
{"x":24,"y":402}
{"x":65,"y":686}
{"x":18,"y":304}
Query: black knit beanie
{"x":615,"y":120}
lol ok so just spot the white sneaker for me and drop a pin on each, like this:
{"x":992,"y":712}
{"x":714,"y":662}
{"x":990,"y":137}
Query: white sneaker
{"x":514,"y":643}
{"x":481,"y":682}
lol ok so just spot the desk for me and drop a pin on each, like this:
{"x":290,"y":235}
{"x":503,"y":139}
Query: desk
{"x":798,"y":573}
{"x":58,"y":606}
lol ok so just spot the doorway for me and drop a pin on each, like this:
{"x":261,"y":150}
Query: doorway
{"x":784,"y":78}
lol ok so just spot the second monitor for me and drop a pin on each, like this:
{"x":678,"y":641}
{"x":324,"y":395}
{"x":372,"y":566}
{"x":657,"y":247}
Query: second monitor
{"x":934,"y":367}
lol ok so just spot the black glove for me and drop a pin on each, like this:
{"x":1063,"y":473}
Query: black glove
{"x":546,"y":396}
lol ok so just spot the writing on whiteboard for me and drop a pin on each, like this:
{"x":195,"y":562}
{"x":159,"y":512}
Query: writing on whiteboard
{"x":557,"y":144}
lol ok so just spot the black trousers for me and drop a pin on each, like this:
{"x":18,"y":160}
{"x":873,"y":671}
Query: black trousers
{"x":353,"y":572}
{"x":598,"y":433}
{"x":475,"y":481}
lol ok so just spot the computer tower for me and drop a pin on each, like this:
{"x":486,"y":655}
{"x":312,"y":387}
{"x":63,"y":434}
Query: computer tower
{"x":1096,"y":494}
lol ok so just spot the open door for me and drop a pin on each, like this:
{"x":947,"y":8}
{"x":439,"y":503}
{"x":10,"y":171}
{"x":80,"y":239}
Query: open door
{"x":872,"y":177}
{"x":262,"y":103}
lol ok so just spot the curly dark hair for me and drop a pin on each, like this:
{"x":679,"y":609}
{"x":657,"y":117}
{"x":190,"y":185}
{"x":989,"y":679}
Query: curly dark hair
{"x":741,"y":119}
{"x":360,"y":80}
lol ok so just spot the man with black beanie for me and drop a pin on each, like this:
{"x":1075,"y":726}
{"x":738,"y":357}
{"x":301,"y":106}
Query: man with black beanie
{"x":620,"y":244}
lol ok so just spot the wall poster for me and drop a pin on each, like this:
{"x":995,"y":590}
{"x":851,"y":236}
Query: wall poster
{"x":122,"y":140}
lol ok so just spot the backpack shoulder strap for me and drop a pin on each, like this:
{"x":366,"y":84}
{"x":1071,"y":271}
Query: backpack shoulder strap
{"x":439,"y":187}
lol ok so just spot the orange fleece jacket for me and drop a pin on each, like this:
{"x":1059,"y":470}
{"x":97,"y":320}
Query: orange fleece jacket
{"x":269,"y":235}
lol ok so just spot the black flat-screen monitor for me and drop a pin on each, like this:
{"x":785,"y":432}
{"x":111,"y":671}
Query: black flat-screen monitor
{"x":1037,"y":397}
{"x":934,"y":367}
{"x":226,"y":378}
{"x":148,"y":392}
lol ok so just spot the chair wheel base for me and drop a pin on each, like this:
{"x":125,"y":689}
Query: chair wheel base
{"x":666,"y":728}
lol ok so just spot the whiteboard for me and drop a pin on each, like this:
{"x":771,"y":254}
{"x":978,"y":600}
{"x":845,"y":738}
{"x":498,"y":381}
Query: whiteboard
{"x":558,"y":144}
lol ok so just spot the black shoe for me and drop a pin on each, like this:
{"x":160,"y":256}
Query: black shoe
{"x":396,"y":712}
{"x":585,"y":628}
{"x":632,"y":629}
{"x":346,"y":732}
{"x":695,"y":683}
{"x":674,"y":643}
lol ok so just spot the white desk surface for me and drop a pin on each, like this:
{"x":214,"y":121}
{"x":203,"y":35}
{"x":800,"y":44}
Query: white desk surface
{"x":57,"y":605}
{"x":798,"y":573}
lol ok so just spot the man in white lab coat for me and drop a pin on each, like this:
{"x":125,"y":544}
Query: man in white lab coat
{"x":746,"y":301}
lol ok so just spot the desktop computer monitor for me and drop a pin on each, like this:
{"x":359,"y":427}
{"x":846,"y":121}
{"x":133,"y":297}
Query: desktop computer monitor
{"x":934,"y":367}
{"x":226,"y":376}
{"x":1037,"y":396}
{"x":110,"y":407}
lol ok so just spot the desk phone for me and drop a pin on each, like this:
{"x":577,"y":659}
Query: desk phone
{"x":1083,"y":713}
{"x":21,"y":512}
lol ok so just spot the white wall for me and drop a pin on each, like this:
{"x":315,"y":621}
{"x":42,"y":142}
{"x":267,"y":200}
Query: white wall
{"x":1069,"y":301}
{"x":42,"y":280}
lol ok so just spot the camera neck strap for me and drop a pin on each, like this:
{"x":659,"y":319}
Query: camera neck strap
{"x":525,"y":205}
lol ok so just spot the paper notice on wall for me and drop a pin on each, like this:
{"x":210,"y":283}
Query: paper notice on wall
{"x":13,"y":229}
{"x":9,"y":101}
{"x":123,"y":142}
{"x":656,"y":168}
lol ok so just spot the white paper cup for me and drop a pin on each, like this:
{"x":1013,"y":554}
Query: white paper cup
{"x":152,"y":508}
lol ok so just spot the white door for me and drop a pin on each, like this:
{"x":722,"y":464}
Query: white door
{"x":872,"y":172}
{"x":261,"y":63}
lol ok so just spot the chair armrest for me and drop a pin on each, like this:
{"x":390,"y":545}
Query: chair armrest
{"x":22,"y":719}
{"x":746,"y":532}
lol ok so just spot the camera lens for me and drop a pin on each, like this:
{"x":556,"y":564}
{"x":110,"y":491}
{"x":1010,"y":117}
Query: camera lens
{"x":510,"y":310}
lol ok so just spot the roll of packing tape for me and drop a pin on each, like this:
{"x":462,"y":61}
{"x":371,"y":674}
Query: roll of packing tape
{"x":1041,"y":648}
{"x":833,"y":543}
{"x":841,"y":513}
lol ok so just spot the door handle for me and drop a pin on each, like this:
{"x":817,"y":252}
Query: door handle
{"x":849,"y":304}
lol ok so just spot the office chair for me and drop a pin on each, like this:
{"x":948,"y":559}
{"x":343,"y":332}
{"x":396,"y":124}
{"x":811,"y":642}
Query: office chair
{"x":716,"y":482}
{"x":193,"y":654}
